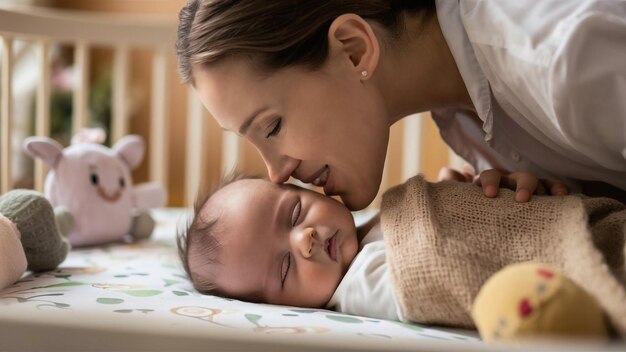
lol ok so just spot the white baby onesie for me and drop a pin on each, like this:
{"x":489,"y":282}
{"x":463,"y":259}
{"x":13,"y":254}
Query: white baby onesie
{"x":366,"y":288}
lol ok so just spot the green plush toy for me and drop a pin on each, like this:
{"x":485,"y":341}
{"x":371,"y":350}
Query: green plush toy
{"x":29,"y":236}
{"x":534,"y":301}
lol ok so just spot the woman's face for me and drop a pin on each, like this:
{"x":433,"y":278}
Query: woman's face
{"x":326,"y":127}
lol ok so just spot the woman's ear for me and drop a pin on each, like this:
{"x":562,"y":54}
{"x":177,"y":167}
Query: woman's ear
{"x":352,"y":38}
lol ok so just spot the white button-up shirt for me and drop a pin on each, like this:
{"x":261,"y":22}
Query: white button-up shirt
{"x":548,"y":81}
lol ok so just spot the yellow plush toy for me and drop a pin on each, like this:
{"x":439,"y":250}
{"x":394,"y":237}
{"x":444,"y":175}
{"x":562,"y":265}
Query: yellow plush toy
{"x":530,"y":300}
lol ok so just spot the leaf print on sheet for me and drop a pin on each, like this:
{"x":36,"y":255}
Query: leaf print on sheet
{"x":344,"y":319}
{"x":64,"y":284}
{"x":126,"y":311}
{"x":106,"y":300}
{"x":142,"y":293}
{"x":170,"y":282}
{"x":375,"y":335}
{"x":408,"y":326}
{"x":253,"y":318}
{"x":46,"y":303}
{"x":306,"y":311}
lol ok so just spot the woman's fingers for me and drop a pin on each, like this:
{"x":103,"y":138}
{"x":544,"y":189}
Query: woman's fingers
{"x":525,"y":184}
{"x":489,"y":180}
{"x":556,"y":188}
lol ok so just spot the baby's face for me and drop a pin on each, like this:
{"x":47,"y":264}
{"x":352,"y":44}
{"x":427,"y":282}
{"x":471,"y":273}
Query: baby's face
{"x":280,"y":244}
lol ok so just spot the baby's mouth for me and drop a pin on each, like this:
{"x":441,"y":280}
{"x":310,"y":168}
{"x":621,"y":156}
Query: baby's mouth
{"x":331,"y":247}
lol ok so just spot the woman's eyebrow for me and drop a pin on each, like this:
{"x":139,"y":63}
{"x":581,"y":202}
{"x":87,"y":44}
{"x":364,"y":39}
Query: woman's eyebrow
{"x":246,"y":124}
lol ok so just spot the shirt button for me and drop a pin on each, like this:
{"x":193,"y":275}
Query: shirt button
{"x":515,"y":156}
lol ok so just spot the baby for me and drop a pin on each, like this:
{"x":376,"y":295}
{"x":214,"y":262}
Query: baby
{"x":281,"y":244}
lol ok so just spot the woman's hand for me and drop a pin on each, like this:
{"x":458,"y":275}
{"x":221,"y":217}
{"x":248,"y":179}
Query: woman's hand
{"x":525,"y":184}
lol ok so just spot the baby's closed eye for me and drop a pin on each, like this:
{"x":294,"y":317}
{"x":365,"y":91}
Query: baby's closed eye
{"x":295,"y":215}
{"x":285,"y":268}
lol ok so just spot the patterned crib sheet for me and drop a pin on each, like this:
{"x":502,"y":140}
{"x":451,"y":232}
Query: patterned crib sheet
{"x":146,"y":278}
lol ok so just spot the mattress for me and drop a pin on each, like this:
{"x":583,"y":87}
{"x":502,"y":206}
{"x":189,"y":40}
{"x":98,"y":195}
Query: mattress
{"x":135,"y":296}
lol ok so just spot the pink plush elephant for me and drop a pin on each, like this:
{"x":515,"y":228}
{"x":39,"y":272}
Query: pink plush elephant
{"x":90,"y":186}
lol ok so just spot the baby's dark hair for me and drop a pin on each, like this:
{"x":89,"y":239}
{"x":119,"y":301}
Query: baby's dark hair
{"x":200,"y":235}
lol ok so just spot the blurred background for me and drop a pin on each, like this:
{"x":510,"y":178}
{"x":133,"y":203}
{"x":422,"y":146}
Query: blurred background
{"x":63,"y":79}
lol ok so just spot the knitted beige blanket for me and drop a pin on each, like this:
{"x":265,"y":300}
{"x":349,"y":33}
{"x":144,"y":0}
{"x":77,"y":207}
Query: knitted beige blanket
{"x":445,"y":239}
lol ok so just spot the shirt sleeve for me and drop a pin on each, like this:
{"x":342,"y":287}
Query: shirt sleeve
{"x":587,"y":84}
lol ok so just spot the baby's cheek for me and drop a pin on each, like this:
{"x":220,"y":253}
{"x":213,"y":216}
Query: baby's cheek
{"x":348,"y":252}
{"x":319,"y":284}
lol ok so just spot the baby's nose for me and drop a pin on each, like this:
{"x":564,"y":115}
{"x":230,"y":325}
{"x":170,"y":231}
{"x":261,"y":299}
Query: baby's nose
{"x":304,"y":241}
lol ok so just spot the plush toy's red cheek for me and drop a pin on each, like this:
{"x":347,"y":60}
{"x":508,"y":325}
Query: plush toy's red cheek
{"x":547,"y":274}
{"x":525,"y":309}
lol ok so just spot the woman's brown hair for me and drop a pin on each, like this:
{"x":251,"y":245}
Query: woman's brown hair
{"x":276,"y":33}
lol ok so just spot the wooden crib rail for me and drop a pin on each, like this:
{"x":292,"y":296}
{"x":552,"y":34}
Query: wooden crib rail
{"x":64,"y":26}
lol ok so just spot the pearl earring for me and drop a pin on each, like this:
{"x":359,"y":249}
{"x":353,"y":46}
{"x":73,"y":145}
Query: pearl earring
{"x":364,"y":73}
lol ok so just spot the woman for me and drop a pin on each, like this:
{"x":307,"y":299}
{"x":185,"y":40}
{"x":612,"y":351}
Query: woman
{"x":513,"y":86}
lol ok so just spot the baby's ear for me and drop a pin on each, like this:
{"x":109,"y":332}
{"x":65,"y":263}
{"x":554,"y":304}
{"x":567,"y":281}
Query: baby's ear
{"x":44,"y":148}
{"x":130,"y":148}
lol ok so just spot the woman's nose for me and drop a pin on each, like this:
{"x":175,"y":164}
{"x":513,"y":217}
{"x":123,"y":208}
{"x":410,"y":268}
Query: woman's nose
{"x":303,"y":241}
{"x":280,"y":168}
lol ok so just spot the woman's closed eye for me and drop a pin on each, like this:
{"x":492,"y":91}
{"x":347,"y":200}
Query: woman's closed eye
{"x":284,"y":268}
{"x":275,"y":127}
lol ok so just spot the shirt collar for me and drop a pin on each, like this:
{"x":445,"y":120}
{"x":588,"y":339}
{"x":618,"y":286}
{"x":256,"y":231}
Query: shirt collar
{"x":449,"y":16}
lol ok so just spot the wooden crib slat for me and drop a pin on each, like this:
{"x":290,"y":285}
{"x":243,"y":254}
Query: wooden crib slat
{"x":42,"y":119}
{"x":194,"y":156}
{"x":411,"y":149}
{"x":81,"y":90}
{"x":6,"y":114}
{"x":119,"y":125}
{"x":159,"y":120}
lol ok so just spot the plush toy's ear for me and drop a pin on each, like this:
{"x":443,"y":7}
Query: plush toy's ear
{"x":130,"y":148}
{"x":44,"y":148}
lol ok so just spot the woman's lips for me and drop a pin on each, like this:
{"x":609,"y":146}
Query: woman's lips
{"x":329,"y":186}
{"x":321,"y":178}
